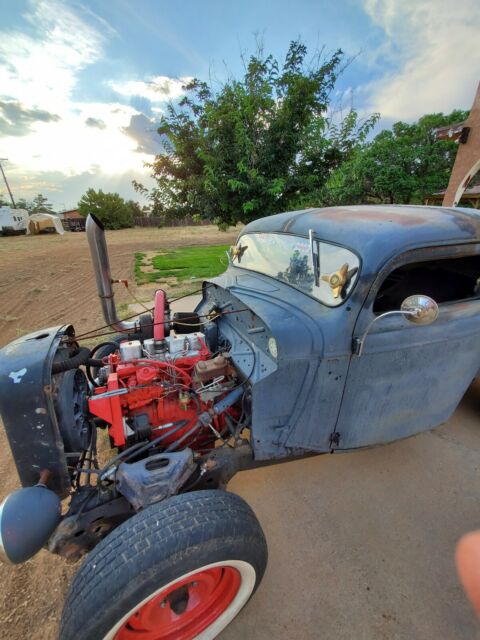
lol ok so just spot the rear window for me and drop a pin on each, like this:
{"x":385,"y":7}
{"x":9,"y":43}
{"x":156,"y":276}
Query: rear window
{"x":288,"y":258}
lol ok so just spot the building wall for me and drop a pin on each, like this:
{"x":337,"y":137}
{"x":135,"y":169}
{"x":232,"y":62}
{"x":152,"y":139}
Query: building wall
{"x":71,"y":215}
{"x":467,"y":162}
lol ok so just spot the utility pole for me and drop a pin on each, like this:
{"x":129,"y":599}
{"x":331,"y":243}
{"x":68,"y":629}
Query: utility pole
{"x":5,"y":178}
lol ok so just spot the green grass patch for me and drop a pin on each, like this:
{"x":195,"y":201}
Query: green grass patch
{"x":187,"y":263}
{"x":137,"y":268}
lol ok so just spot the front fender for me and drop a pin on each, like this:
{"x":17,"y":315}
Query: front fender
{"x":27,"y":408}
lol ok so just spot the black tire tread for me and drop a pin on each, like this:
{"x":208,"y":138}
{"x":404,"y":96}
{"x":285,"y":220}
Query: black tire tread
{"x":141,"y":544}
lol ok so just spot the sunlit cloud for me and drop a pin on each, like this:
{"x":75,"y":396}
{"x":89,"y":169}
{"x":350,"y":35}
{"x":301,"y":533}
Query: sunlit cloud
{"x":40,"y":69}
{"x":143,"y":131}
{"x":434,"y":50}
{"x":157,"y":89}
{"x":72,"y":145}
{"x":44,"y":130}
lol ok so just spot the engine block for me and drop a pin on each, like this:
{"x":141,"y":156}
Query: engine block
{"x":149,"y":388}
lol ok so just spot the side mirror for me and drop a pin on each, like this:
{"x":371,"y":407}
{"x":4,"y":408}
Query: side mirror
{"x":418,"y":309}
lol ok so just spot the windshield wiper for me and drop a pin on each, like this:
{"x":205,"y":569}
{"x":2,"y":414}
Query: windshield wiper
{"x":315,"y":256}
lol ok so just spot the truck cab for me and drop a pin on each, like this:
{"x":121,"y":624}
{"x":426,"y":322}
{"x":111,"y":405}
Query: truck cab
{"x":315,"y":281}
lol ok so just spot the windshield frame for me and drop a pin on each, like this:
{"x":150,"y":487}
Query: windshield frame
{"x":319,"y":241}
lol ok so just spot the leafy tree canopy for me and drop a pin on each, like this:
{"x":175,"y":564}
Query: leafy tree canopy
{"x":401,"y":165}
{"x":110,"y":209}
{"x":136,"y":209}
{"x":24,"y":204}
{"x":257,"y":145}
{"x":40,"y":204}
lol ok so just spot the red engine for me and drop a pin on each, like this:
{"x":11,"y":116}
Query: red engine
{"x":162,"y":388}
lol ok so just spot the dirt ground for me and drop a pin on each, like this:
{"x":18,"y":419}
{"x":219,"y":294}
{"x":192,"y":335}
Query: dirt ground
{"x":48,"y":280}
{"x":361,"y":545}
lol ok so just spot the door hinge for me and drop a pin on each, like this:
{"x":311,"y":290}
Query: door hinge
{"x":356,"y":343}
{"x":334,"y":439}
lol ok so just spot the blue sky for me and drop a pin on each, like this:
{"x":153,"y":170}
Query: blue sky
{"x":83,"y":84}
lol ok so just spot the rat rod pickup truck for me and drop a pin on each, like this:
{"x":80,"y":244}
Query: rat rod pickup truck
{"x":331,"y":329}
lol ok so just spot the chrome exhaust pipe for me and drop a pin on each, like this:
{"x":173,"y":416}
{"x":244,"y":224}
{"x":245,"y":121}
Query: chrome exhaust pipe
{"x":101,"y":266}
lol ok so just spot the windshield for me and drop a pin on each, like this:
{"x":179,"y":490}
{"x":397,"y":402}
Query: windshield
{"x":289,"y":258}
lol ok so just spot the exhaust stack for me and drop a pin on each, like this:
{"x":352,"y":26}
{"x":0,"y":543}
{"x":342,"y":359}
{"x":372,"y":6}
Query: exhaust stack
{"x":101,"y":266}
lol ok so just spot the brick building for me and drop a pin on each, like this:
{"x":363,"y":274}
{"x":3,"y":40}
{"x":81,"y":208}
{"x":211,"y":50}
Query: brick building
{"x":72,"y":220}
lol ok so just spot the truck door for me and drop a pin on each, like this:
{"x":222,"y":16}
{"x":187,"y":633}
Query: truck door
{"x":411,"y":378}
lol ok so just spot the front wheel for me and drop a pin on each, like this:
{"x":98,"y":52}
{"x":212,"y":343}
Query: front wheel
{"x":180,"y":569}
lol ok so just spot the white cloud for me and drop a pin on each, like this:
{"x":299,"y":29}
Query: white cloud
{"x":39,"y":70}
{"x":71,"y":146}
{"x":435,"y":47}
{"x":64,"y":192}
{"x":157,"y":89}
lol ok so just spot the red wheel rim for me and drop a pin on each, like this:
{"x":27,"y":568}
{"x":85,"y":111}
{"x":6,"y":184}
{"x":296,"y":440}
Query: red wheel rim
{"x":185,"y":608}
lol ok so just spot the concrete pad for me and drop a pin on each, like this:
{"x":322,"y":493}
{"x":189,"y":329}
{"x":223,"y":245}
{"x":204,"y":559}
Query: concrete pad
{"x":186,"y":304}
{"x":362,"y":544}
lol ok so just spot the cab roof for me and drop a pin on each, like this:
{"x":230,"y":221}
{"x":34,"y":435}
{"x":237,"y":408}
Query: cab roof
{"x":377,"y":232}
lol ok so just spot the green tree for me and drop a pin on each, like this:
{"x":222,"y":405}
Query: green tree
{"x":136,"y":209}
{"x":3,"y":201}
{"x":402,"y":165}
{"x":326,"y":146}
{"x":243,"y":151}
{"x":109,"y":208}
{"x":24,"y":204}
{"x":40,"y":204}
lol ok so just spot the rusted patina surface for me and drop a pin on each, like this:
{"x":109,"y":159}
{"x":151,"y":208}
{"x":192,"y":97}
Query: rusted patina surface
{"x":377,"y":232}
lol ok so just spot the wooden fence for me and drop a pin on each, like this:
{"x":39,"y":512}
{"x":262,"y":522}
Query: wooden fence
{"x":159,"y":221}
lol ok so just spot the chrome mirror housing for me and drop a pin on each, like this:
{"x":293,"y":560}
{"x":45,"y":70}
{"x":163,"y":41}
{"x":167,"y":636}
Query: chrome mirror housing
{"x":420,"y":309}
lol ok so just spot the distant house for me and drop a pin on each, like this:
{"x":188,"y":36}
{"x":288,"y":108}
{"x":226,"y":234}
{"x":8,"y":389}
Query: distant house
{"x":470,"y":198}
{"x":71,"y":214}
{"x":72,"y":220}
